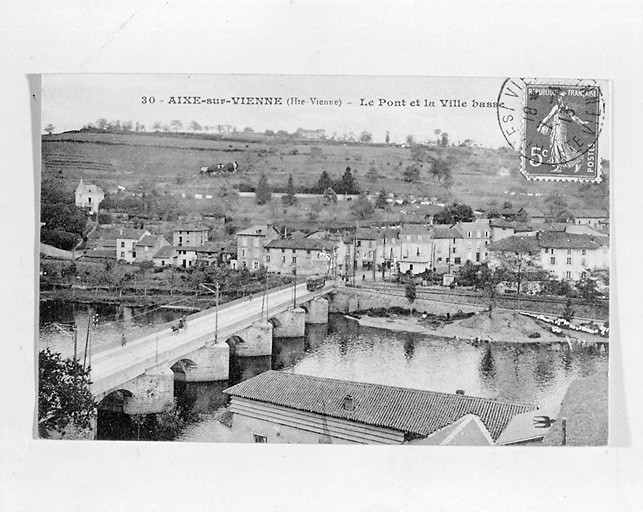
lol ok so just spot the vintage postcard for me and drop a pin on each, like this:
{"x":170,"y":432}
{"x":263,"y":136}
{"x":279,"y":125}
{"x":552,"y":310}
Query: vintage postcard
{"x":324,"y":259}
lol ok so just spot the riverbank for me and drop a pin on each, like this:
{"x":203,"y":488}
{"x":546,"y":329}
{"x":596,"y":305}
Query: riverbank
{"x":495,"y":327}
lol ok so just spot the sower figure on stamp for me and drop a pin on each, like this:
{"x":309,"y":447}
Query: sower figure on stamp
{"x":555,"y":125}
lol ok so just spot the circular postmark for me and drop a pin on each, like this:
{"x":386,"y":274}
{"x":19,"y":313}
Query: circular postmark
{"x":553,"y":124}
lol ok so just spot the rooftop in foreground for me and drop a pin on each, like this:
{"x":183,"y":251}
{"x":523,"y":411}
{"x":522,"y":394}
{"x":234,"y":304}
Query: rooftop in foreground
{"x":413,"y":411}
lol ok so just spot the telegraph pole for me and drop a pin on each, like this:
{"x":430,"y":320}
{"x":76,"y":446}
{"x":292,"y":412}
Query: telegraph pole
{"x":217,"y":286}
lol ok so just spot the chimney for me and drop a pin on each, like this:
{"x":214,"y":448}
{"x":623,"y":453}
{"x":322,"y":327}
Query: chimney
{"x":348,"y":404}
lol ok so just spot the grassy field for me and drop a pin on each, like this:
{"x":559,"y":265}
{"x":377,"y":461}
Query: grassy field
{"x":482,"y":176}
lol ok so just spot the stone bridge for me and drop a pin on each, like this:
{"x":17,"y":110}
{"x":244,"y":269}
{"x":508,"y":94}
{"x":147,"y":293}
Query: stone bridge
{"x":139,"y":378}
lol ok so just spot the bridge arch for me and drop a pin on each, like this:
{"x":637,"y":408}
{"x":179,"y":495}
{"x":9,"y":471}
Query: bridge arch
{"x":274,"y":322}
{"x":181,"y":367}
{"x":234,"y":340}
{"x":115,"y":400}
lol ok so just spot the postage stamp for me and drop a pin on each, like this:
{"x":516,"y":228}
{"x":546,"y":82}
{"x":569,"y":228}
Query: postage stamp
{"x":555,"y":125}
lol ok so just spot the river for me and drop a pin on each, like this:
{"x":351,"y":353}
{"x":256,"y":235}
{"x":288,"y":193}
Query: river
{"x":341,"y":349}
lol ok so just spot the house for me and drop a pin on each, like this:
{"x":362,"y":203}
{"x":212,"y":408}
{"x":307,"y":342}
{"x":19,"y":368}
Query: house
{"x":569,"y":256}
{"x":126,"y":240}
{"x":165,"y":256}
{"x":190,"y":235}
{"x":217,"y":253}
{"x":89,"y":196}
{"x":416,"y":249}
{"x":250,"y":245}
{"x":594,"y":217}
{"x":366,"y":247}
{"x":302,"y":133}
{"x":306,"y":256}
{"x":283,"y":407}
{"x":535,"y":214}
{"x":148,"y":246}
{"x":99,"y":255}
{"x":476,"y":237}
{"x":388,"y":248}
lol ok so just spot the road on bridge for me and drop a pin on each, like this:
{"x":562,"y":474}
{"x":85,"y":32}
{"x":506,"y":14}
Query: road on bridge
{"x":113,"y":367}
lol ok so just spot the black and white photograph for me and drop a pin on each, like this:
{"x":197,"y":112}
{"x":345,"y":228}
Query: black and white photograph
{"x":298,"y":256}
{"x":283,"y":259}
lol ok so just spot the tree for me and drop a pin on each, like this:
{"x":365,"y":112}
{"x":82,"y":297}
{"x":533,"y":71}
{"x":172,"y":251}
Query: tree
{"x":347,"y":183}
{"x":372,"y":175}
{"x":157,"y":126}
{"x":568,"y":312}
{"x":176,"y":124}
{"x":102,"y":124}
{"x":195,"y":126}
{"x":381,"y":202}
{"x":263,"y":193}
{"x":457,"y":212}
{"x":411,"y":174}
{"x":289,"y":199}
{"x":362,"y":208}
{"x":587,"y":287}
{"x":330,"y":195}
{"x":441,"y":169}
{"x":554,"y":205}
{"x":520,"y":257}
{"x":127,"y":126}
{"x":387,"y":139}
{"x":411,"y":293}
{"x":488,"y":280}
{"x":247,"y":129}
{"x":64,"y":396}
{"x":410,"y":140}
{"x":49,"y":129}
{"x":323,"y":183}
{"x":444,"y":142}
{"x":366,"y":137}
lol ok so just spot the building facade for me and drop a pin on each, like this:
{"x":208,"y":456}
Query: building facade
{"x":190,"y":235}
{"x":89,"y":196}
{"x":251,"y":246}
{"x":305,"y":256}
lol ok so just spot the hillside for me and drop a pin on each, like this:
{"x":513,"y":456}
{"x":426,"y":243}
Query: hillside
{"x":481,"y":176}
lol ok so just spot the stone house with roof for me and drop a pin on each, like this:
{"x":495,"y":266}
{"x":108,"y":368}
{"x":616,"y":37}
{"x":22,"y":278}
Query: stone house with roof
{"x":250,"y":246}
{"x":190,"y":235}
{"x":594,"y":217}
{"x":219,"y":253}
{"x":309,"y":256}
{"x":284,"y":407}
{"x":148,"y":246}
{"x":89,"y":196}
{"x":165,"y":256}
{"x":126,"y":240}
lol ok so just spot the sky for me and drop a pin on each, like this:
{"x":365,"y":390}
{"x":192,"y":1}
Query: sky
{"x":71,"y":101}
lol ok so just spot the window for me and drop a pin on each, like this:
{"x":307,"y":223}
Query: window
{"x":260,"y":439}
{"x":133,"y":254}
{"x":268,"y":259}
{"x":569,"y":251}
{"x":453,"y":250}
{"x":568,"y":274}
{"x":283,"y":250}
{"x":122,"y":254}
{"x":439,"y":260}
{"x":486,"y":234}
{"x":255,"y":265}
{"x":569,"y":261}
{"x":243,"y":253}
{"x":458,"y":261}
{"x":180,"y":240}
{"x":477,"y":257}
{"x":584,"y":252}
{"x":294,"y":259}
{"x":162,"y":263}
{"x":552,"y":260}
{"x":583,"y":262}
{"x":307,"y":251}
{"x":417,"y":252}
{"x":468,"y":234}
{"x":293,"y":251}
{"x":122,"y":244}
{"x":283,"y":259}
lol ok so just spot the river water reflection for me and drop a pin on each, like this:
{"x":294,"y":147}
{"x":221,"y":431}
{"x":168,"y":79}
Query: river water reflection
{"x":345,"y":350}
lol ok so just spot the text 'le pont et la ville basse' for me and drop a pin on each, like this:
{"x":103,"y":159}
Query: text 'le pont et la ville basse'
{"x":319,"y":102}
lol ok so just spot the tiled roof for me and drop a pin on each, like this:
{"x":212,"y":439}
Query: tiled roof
{"x":149,"y":240}
{"x":165,"y":252}
{"x":189,"y":227}
{"x":445,"y":232}
{"x":366,"y":234}
{"x":414,"y":229}
{"x":516,"y":244}
{"x":588,"y":213}
{"x":101,"y":254}
{"x":301,"y":243}
{"x":411,"y":411}
{"x":557,"y":240}
{"x":260,"y":230}
{"x":130,"y":233}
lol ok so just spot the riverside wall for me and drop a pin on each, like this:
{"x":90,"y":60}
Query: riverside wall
{"x":348,"y":300}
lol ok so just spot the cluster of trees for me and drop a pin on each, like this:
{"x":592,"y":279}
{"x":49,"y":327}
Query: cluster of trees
{"x":64,"y":222}
{"x":456,"y":212}
{"x":326,"y":185}
{"x":64,"y":396}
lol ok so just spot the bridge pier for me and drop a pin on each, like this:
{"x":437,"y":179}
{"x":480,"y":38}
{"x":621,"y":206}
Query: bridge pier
{"x":211,"y":362}
{"x":317,"y":311}
{"x":256,"y":340}
{"x":290,"y":324}
{"x":152,"y":392}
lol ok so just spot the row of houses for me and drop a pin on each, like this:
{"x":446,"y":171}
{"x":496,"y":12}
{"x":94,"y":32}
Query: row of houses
{"x":564,"y":249}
